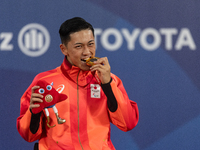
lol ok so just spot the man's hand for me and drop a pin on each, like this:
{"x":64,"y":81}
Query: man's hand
{"x":102,"y":67}
{"x":35,"y":97}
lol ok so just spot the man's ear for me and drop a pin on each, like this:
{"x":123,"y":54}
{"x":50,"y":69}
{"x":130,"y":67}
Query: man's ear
{"x":63,"y":49}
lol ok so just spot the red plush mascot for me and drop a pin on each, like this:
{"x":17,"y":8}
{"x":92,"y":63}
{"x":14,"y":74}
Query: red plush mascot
{"x":50,"y":98}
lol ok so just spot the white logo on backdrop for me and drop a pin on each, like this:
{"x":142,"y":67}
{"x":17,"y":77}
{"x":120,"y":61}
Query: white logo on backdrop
{"x":138,"y":36}
{"x":34,"y":40}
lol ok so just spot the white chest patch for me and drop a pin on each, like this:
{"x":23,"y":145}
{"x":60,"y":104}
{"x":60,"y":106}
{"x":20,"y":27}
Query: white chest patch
{"x":95,"y":90}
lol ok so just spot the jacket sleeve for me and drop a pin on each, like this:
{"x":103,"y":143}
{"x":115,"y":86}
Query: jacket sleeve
{"x":126,"y":115}
{"x":26,"y":118}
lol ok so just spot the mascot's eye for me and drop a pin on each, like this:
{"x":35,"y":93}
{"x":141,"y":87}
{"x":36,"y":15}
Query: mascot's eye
{"x":49,"y":87}
{"x":41,"y":91}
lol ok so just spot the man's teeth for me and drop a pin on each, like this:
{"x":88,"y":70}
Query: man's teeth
{"x":83,"y":60}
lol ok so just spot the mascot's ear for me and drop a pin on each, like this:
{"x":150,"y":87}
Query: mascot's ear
{"x":50,"y":96}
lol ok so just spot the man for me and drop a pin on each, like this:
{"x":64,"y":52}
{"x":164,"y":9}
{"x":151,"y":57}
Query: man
{"x":96,"y":97}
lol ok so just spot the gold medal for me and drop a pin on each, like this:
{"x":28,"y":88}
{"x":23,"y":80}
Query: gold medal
{"x":48,"y":98}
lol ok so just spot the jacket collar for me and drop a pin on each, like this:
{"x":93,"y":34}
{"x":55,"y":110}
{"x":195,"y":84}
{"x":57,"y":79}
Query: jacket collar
{"x":73,"y":72}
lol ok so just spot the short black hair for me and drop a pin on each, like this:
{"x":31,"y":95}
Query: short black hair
{"x":73,"y":25}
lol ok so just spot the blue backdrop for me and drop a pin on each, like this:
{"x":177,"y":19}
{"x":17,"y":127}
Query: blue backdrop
{"x":153,"y":46}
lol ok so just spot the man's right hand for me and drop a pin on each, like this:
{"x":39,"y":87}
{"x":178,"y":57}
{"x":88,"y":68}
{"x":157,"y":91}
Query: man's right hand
{"x":35,"y":97}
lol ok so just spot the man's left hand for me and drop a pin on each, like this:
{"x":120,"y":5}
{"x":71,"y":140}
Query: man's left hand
{"x":102,"y":67}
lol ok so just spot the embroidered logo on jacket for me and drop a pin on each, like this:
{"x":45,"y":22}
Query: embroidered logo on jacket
{"x":60,"y":88}
{"x":95,"y":90}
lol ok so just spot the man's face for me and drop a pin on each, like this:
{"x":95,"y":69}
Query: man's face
{"x":80,"y":47}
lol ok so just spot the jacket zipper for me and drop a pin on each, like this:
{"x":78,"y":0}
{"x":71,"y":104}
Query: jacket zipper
{"x":78,"y":112}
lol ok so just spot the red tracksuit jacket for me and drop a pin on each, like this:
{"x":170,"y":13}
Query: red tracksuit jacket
{"x":86,"y":111}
